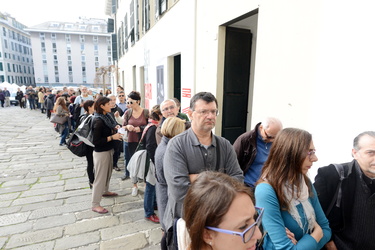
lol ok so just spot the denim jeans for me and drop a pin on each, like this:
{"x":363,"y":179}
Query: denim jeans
{"x":149,"y":199}
{"x":65,"y":133}
{"x":32,"y":103}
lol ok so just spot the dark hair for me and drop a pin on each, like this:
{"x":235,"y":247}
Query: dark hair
{"x":207,"y":201}
{"x":103,"y":100}
{"x":155,"y":113}
{"x":205,"y":96}
{"x":87,"y":104}
{"x":135,"y":95}
{"x":284,"y":163}
{"x":72,"y":98}
{"x":119,"y":86}
{"x":356,"y":145}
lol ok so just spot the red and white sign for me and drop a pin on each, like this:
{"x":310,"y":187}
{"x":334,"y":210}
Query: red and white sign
{"x":186,"y":92}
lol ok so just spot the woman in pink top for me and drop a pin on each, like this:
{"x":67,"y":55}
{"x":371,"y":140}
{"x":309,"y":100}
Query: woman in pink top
{"x":135,"y":119}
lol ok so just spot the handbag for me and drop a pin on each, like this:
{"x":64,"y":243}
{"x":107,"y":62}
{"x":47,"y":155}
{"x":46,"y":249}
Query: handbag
{"x":77,"y":147}
{"x":84,"y":131}
{"x":59,"y":119}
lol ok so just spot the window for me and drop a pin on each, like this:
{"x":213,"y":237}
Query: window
{"x":53,"y":36}
{"x":54,"y":49}
{"x":42,"y":36}
{"x":4,"y":31}
{"x":67,"y":38}
{"x":9,"y":70}
{"x":43,"y":46}
{"x":82,"y":38}
{"x":95,"y":39}
{"x":1,"y":66}
{"x":5,"y":43}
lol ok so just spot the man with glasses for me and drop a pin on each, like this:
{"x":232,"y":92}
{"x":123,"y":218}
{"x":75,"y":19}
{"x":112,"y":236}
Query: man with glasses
{"x":252,"y":148}
{"x":347,"y":196}
{"x":196,"y":150}
{"x":122,"y":102}
{"x":168,"y":109}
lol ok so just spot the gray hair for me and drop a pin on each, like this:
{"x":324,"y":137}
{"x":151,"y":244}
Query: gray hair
{"x":358,"y":137}
{"x":168,"y":100}
{"x":272,"y":120}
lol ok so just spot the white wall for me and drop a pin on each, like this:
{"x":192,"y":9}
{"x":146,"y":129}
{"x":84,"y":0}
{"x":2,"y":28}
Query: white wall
{"x":314,"y":70}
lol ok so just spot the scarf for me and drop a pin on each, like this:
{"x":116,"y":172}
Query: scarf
{"x":107,"y":119}
{"x":304,"y":200}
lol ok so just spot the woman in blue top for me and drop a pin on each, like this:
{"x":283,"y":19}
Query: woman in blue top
{"x":293,"y":217}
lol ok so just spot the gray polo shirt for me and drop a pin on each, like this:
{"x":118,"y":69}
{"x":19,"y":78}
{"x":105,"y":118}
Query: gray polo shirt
{"x":186,"y":155}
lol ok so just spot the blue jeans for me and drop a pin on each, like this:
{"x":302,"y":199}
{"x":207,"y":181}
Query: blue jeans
{"x":149,"y":200}
{"x":127,"y":158}
{"x":64,"y":134}
{"x":32,"y":103}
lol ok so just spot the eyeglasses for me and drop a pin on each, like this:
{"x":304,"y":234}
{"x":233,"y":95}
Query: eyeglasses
{"x":121,"y":96}
{"x":130,"y":102}
{"x":311,"y":153}
{"x":248,"y":233}
{"x":168,"y":108}
{"x":205,"y":112}
{"x":268,"y":137}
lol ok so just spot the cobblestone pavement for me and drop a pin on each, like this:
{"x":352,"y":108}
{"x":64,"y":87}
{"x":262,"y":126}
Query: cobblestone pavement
{"x":45,"y":200}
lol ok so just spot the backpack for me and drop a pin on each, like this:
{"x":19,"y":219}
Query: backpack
{"x":76,"y":111}
{"x":338,"y":194}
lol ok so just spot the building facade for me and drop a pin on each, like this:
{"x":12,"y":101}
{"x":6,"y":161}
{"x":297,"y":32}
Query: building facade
{"x":16,"y":62}
{"x":309,"y":63}
{"x":70,"y":54}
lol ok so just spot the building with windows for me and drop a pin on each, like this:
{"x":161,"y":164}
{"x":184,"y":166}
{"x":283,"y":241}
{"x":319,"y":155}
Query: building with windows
{"x":69,"y":54}
{"x":16,"y":62}
{"x":309,"y":63}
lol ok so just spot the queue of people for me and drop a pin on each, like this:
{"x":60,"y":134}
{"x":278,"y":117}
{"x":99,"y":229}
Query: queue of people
{"x":214,"y":195}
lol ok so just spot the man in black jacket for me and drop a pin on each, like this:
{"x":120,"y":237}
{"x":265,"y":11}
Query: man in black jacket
{"x":252,"y":148}
{"x":352,"y":220}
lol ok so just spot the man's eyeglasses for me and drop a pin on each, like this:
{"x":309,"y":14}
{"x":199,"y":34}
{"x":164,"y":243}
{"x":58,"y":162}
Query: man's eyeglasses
{"x":121,"y":95}
{"x":268,"y":137}
{"x":311,"y":153}
{"x":248,"y":233}
{"x":205,"y":112}
{"x":168,"y":108}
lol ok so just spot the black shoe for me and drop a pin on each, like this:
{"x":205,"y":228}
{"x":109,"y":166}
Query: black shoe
{"x":116,"y":168}
{"x":125,"y":178}
{"x":90,"y":184}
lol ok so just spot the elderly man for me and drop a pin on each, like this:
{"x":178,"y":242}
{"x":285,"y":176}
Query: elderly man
{"x":81,"y":99}
{"x":168,"y":109}
{"x":350,"y":204}
{"x":252,"y":148}
{"x":196,"y":150}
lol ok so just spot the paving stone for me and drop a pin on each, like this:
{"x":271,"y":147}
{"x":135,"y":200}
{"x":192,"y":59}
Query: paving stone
{"x":33,"y":199}
{"x":14,"y":189}
{"x":34,"y":192}
{"x":54,"y":221}
{"x":13,"y":218}
{"x":34,"y":237}
{"x":155,"y":236}
{"x":19,"y":182}
{"x":131,"y":216}
{"x":10,"y":210}
{"x":72,"y":193}
{"x":136,"y":241}
{"x":126,"y":229}
{"x":42,"y":174}
{"x":50,"y":211}
{"x":48,"y":184}
{"x":49,"y":178}
{"x":91,"y":225}
{"x":80,"y":198}
{"x":5,"y":203}
{"x":2,"y":242}
{"x":35,"y":206}
{"x":77,"y":240}
{"x":11,"y":196}
{"x":127,"y":206}
{"x":45,"y":246}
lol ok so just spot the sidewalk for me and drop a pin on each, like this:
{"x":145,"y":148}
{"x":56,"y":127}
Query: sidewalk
{"x":45,"y":200}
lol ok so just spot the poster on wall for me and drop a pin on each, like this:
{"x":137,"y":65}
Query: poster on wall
{"x":186,"y":93}
{"x":148,"y":95}
{"x":160,"y":83}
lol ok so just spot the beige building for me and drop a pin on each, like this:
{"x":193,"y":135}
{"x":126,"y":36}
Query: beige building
{"x":309,"y":63}
{"x":69,"y":54}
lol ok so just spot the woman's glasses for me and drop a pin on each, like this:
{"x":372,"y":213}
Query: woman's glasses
{"x":248,"y":233}
{"x":130,"y":102}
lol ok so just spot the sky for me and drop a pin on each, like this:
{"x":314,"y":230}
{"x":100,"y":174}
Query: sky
{"x":33,"y":12}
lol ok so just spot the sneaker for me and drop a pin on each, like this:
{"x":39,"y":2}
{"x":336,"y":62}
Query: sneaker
{"x":134,"y":191}
{"x":154,"y":218}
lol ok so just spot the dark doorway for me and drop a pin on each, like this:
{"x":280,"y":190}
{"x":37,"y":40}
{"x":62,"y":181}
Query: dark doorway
{"x":236,"y":82}
{"x":177,"y":77}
